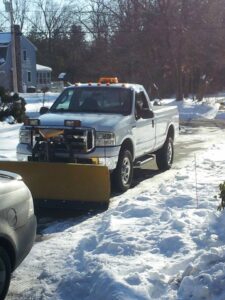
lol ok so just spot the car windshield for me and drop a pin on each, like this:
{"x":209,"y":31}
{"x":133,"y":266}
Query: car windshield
{"x":94,"y":100}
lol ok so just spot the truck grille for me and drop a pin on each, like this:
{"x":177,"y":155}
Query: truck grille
{"x":79,"y":140}
{"x":65,"y":141}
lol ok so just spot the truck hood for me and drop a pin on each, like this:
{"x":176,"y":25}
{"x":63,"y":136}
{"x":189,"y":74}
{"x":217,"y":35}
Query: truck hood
{"x":101,"y":122}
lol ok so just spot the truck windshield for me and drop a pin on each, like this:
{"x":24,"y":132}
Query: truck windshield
{"x":94,"y":100}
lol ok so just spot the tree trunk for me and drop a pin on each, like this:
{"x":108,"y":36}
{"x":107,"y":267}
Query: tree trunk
{"x":179,"y":83}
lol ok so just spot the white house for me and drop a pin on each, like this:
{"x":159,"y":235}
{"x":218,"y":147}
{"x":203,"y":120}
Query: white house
{"x":43,"y":77}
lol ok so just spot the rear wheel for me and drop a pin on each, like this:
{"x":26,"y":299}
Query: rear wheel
{"x":5,"y":272}
{"x":123,"y":174}
{"x":164,"y":156}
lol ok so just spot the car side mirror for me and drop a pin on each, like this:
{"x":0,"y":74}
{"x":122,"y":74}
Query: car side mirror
{"x":157,"y":102}
{"x":43,"y":110}
{"x":147,"y":113}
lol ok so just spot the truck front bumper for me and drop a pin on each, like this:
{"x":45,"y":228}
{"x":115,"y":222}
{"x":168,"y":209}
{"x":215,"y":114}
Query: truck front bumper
{"x":106,"y":156}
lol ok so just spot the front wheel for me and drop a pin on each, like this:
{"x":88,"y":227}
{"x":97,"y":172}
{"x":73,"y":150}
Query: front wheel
{"x":164,"y":156}
{"x":5,"y":273}
{"x":123,"y":174}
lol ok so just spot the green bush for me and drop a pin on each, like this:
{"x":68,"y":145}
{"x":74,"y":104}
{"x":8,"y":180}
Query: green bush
{"x":222,"y":196}
{"x":12,"y":105}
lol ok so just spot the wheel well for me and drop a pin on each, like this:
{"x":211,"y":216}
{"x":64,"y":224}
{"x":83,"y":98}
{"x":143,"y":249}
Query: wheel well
{"x":127,"y":144}
{"x":171,"y":132}
{"x":10,"y":251}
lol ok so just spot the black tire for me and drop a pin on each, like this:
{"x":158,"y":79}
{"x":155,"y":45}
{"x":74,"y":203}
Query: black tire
{"x":123,"y":174}
{"x":5,"y":273}
{"x":164,"y":156}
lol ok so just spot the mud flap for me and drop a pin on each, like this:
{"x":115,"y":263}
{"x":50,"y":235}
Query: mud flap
{"x":63,"y":181}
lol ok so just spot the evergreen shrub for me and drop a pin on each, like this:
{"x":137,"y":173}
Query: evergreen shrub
{"x":12,"y":105}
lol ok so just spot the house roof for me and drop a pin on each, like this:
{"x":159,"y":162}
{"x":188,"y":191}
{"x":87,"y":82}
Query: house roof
{"x":5,"y":37}
{"x":43,"y":68}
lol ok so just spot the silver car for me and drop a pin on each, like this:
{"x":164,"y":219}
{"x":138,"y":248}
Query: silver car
{"x":17,"y":225}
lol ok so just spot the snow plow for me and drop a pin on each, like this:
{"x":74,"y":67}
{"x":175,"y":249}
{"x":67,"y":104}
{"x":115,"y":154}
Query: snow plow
{"x":74,"y":184}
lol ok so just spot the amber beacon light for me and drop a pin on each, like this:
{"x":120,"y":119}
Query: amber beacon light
{"x":108,"y":80}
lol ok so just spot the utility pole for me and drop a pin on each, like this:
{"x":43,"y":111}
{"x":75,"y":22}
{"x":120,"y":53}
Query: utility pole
{"x":9,"y":9}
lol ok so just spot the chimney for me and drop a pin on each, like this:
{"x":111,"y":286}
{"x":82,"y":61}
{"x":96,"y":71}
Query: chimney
{"x":18,"y":56}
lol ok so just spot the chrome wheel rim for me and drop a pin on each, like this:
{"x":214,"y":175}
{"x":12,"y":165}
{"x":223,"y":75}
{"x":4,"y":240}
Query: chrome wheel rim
{"x":125,"y":172}
{"x":169,"y":153}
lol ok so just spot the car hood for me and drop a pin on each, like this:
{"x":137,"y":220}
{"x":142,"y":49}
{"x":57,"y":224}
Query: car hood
{"x":101,"y":122}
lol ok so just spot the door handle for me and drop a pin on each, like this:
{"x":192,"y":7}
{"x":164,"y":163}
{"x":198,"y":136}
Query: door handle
{"x":153,"y":123}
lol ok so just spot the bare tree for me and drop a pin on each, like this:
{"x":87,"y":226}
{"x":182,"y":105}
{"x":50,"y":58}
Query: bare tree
{"x":4,"y":20}
{"x":176,"y":45}
{"x":50,"y":20}
{"x":21,"y":11}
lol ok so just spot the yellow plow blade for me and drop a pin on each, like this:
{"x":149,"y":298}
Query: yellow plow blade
{"x":63,"y":181}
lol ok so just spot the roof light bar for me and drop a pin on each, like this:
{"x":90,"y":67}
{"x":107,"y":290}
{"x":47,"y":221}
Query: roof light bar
{"x":108,"y":80}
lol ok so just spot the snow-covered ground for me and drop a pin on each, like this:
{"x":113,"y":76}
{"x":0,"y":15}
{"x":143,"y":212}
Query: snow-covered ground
{"x":162,"y":239}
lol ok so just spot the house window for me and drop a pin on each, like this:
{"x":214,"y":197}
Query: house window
{"x":40,"y":78}
{"x":49,"y":77}
{"x":3,"y":54}
{"x":29,"y":76}
{"x":24,"y":55}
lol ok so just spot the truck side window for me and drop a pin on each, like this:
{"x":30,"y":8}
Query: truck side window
{"x":140,"y":103}
{"x":64,"y":100}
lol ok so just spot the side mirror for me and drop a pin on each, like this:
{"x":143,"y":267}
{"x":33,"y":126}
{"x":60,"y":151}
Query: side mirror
{"x":157,"y":102}
{"x":147,"y":113}
{"x":43,"y":110}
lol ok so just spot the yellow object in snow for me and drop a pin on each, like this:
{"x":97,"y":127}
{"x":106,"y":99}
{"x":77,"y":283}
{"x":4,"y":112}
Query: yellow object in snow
{"x":63,"y":181}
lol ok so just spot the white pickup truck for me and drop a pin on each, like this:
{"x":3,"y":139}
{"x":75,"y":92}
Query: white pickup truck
{"x":106,"y":123}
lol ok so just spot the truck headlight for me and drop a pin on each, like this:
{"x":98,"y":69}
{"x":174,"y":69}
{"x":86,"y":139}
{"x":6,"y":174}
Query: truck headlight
{"x":105,"y":139}
{"x":25,"y":136}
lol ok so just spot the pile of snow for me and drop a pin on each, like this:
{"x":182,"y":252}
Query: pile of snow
{"x":194,"y":110}
{"x":9,"y":138}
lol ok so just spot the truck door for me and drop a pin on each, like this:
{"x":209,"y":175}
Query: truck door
{"x":144,"y":130}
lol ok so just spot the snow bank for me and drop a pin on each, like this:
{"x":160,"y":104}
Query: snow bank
{"x":193,"y":110}
{"x":9,"y":137}
{"x":36,"y":101}
{"x":204,"y":278}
